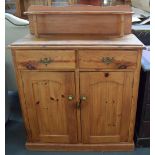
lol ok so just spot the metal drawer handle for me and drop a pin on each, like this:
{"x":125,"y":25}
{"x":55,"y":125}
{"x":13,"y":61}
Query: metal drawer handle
{"x":46,"y":61}
{"x":108,"y":60}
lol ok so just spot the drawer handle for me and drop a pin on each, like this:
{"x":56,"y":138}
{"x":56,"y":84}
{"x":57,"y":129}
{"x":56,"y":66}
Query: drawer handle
{"x":46,"y":61}
{"x":122,"y":67}
{"x":30,"y":66}
{"x":107,"y":60}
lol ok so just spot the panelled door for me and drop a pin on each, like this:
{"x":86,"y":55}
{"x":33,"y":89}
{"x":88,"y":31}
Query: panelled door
{"x":51,"y":106}
{"x":105,"y":108}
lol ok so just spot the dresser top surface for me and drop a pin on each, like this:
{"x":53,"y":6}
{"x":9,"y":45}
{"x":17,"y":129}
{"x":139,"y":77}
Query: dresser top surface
{"x":126,"y":41}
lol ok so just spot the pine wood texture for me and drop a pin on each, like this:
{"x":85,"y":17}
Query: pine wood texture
{"x":50,"y":111}
{"x":108,"y":21}
{"x":80,"y":147}
{"x":19,"y":8}
{"x":78,"y":41}
{"x":101,"y":114}
{"x":118,"y":59}
{"x":59,"y":59}
{"x":75,"y":102}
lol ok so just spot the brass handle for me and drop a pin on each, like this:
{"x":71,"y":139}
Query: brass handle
{"x":82,"y":98}
{"x":107,"y":60}
{"x":46,"y":61}
{"x":70,"y":97}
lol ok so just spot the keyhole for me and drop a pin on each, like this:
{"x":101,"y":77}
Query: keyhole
{"x":106,"y":74}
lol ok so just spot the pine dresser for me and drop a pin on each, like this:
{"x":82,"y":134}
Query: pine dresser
{"x":78,"y":94}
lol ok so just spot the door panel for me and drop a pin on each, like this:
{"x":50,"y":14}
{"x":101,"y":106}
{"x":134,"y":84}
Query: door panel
{"x":52,"y":116}
{"x":102,"y":116}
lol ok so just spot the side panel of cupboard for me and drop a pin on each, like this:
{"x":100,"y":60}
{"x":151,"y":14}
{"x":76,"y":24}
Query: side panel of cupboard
{"x":52,"y":117}
{"x":105,"y":114}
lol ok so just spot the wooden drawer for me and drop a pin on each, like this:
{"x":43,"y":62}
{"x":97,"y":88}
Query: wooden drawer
{"x":108,"y":59}
{"x":45,"y":59}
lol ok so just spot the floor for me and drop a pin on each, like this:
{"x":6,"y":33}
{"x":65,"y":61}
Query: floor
{"x":16,"y":136}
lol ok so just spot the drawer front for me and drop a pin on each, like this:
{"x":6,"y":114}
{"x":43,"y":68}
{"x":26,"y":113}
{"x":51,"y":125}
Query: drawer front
{"x":45,"y":59}
{"x":108,"y":59}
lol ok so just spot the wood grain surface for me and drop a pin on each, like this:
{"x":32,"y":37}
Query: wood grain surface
{"x":78,"y":101}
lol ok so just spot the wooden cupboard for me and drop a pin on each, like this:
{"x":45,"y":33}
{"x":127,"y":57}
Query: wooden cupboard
{"x":49,"y":108}
{"x":78,"y":94}
{"x":104,"y":118}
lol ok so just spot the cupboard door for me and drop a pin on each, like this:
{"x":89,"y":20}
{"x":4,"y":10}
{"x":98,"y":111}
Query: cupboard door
{"x":105,"y":114}
{"x":51,"y":109}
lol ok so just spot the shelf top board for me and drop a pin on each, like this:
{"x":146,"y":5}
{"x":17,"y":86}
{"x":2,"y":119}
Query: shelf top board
{"x":71,"y":41}
{"x":79,"y":9}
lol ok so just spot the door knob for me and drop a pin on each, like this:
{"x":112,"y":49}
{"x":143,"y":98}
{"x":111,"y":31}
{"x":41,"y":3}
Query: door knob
{"x":83,"y":98}
{"x":70,"y":97}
